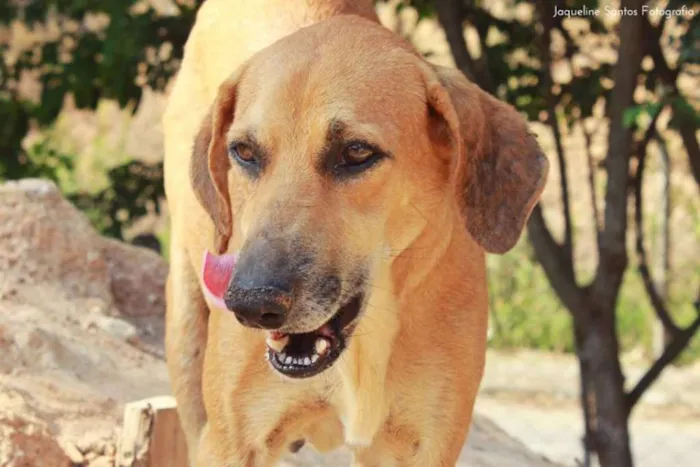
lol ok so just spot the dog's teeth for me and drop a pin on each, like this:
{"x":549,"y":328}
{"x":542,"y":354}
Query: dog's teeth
{"x":307,"y":361}
{"x":314,"y":358}
{"x":277,"y":344}
{"x":288,"y":360}
{"x":321,"y":346}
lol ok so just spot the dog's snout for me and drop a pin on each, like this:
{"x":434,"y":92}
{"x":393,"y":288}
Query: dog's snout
{"x":261,"y":291}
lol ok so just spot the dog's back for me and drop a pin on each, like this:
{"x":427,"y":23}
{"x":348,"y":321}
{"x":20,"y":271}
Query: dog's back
{"x":234,"y":30}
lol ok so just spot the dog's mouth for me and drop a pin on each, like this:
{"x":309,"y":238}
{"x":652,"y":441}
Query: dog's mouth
{"x":296,"y":355}
{"x":307,"y":354}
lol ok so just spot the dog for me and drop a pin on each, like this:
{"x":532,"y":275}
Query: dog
{"x":332,"y":198}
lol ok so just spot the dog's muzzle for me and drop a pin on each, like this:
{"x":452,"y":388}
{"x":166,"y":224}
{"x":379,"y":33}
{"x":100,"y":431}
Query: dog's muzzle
{"x":267,"y":305}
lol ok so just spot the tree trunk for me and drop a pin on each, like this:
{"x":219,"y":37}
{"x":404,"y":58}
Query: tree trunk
{"x":599,"y":339}
{"x":602,"y":380}
{"x":587,"y":403}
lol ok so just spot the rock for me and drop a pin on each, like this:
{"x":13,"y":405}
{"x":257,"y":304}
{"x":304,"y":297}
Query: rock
{"x":46,"y":242}
{"x":137,"y":278}
{"x":25,"y":443}
{"x":115,"y":327}
{"x":73,"y":309}
{"x":72,"y":452}
{"x":103,"y":461}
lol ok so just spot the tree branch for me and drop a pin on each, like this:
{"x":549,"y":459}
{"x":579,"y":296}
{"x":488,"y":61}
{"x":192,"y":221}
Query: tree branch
{"x":652,"y":36}
{"x":551,"y":256}
{"x":476,"y":14}
{"x":655,"y":298}
{"x":692,"y":147}
{"x":673,"y":349}
{"x":547,"y":82}
{"x":481,"y":65}
{"x":687,"y":128}
{"x":451,"y":17}
{"x":591,"y":178}
{"x":681,"y":337}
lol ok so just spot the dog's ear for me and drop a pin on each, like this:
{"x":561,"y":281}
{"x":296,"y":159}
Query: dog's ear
{"x":499,"y":169}
{"x":210,"y":163}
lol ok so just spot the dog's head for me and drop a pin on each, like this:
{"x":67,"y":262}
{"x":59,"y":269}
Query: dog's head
{"x":325,"y":156}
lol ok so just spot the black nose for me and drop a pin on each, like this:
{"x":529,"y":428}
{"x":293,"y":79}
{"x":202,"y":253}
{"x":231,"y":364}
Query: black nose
{"x":261,"y":291}
{"x":264,"y":307}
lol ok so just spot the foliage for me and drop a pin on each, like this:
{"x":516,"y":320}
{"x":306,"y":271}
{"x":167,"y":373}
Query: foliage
{"x":101,"y":50}
{"x":110,"y":50}
{"x":133,"y":188}
{"x":524,"y":313}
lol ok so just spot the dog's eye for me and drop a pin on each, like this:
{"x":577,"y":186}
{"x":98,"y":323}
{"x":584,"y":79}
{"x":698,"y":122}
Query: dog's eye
{"x":357,"y":154}
{"x":357,"y":157}
{"x":242,"y":153}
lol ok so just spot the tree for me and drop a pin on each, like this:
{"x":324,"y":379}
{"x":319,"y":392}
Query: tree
{"x":606,"y":405}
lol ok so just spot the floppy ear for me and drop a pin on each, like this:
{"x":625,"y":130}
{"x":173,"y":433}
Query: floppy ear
{"x":210,"y":164}
{"x":499,"y":169}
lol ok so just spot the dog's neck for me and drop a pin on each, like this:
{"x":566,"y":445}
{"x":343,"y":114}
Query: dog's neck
{"x":441,"y":244}
{"x":399,"y":311}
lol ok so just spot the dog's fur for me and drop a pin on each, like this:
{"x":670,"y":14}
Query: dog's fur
{"x":461,"y":179}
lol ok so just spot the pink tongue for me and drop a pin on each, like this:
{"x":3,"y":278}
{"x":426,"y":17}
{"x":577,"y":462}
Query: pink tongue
{"x":216,"y":274}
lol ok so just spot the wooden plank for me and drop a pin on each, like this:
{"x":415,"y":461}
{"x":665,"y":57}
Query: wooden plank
{"x":151,"y":435}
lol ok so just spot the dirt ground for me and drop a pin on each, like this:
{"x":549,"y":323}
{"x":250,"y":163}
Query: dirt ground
{"x":533,"y":397}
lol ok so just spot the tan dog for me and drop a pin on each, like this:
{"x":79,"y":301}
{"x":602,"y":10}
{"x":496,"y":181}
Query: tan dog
{"x":350,"y":190}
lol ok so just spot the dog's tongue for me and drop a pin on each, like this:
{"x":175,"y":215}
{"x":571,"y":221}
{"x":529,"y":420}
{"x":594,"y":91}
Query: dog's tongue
{"x":216,"y":274}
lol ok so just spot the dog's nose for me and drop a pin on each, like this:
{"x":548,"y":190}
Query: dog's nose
{"x":265,"y":307}
{"x":261,"y":291}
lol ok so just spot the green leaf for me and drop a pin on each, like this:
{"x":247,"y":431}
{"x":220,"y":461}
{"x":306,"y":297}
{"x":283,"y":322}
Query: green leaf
{"x":683,"y":113}
{"x":631,"y":114}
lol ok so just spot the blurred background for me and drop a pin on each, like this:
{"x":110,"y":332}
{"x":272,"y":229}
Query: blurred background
{"x":594,"y":358}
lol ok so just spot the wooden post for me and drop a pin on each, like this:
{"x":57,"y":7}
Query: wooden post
{"x":151,"y":435}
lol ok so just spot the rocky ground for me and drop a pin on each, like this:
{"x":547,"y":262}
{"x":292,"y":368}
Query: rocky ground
{"x":81,"y":326}
{"x":80,"y":331}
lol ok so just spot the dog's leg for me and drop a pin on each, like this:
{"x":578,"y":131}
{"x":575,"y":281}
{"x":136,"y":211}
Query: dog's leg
{"x":215,"y":450}
{"x":327,"y":436}
{"x":438,"y":443}
{"x":419,"y":454}
{"x":185,"y":341}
